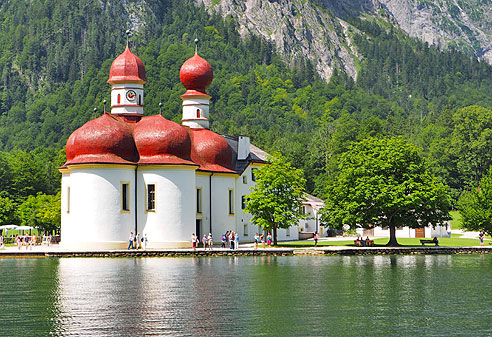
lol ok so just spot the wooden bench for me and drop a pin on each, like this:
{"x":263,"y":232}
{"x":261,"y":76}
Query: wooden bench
{"x":423,"y":242}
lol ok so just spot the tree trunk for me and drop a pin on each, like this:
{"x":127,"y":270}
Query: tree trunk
{"x":392,"y":242}
{"x":274,"y":234}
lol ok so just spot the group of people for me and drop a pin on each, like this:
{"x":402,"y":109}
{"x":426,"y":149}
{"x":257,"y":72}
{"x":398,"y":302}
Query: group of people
{"x":360,"y":242}
{"x":137,"y":241}
{"x":260,"y":239}
{"x":206,"y":241}
{"x":230,"y":240}
{"x":26,"y":240}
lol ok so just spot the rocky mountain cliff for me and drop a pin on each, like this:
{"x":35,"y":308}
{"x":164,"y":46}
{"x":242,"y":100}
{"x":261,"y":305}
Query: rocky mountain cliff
{"x":318,"y":29}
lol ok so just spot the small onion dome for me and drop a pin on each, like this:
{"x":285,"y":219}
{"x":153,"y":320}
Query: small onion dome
{"x":127,"y":67}
{"x":196,"y":74}
{"x":161,"y":141}
{"x":105,"y":140}
{"x":211,"y":151}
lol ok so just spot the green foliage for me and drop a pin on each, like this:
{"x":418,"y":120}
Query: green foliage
{"x":276,"y":200}
{"x":8,"y":211}
{"x":41,"y":211}
{"x":55,"y":57}
{"x":385,"y":182}
{"x":475,"y":205}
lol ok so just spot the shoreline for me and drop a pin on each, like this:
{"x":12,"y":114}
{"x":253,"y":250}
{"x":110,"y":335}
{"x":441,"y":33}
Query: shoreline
{"x":309,"y":251}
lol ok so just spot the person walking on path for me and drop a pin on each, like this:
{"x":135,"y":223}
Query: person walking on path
{"x":236,"y":243}
{"x":193,"y":241}
{"x":316,"y":237}
{"x":1,"y":241}
{"x":262,"y":239}
{"x":210,"y":241}
{"x":137,"y":241}
{"x":131,"y":238}
{"x":481,"y":236}
{"x":257,"y":239}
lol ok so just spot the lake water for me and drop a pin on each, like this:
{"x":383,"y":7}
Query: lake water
{"x":433,"y":295}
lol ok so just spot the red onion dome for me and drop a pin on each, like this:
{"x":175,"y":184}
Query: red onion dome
{"x":127,"y":67}
{"x":106,"y":139}
{"x":161,"y":141}
{"x":211,"y":151}
{"x":196,"y":74}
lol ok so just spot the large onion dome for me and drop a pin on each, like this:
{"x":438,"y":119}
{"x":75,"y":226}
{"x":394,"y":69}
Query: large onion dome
{"x":196,"y":74}
{"x":105,"y":140}
{"x":211,"y":151}
{"x":161,"y":141}
{"x":127,"y":67}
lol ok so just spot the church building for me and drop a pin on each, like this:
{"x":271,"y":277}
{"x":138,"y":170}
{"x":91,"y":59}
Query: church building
{"x":126,"y":172}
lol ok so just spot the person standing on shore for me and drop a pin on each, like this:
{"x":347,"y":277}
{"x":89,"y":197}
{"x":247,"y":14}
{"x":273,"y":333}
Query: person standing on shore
{"x":269,"y":240}
{"x":204,"y":241}
{"x":223,"y":241}
{"x":131,"y":238}
{"x":210,"y":241}
{"x":262,"y":239}
{"x":316,"y":237}
{"x":1,"y":241}
{"x":257,"y":238}
{"x":145,"y":240}
{"x":481,"y":236}
{"x":236,"y":243}
{"x":193,"y":241}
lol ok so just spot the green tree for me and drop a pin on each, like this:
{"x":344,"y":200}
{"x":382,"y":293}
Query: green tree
{"x":475,"y":205}
{"x":8,"y":211}
{"x":385,"y":182}
{"x":41,"y":211}
{"x":472,"y":143}
{"x":276,"y":200}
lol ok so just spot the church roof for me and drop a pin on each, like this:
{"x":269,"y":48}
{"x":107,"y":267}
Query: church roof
{"x":256,"y":155}
{"x":196,"y":74}
{"x":127,"y":67}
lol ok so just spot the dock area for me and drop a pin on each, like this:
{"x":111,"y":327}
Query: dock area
{"x":54,"y":251}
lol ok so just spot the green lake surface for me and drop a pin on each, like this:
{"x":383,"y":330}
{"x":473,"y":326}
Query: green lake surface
{"x":426,"y":295}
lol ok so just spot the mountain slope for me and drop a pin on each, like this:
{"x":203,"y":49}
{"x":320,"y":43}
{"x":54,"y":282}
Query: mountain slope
{"x":318,"y":29}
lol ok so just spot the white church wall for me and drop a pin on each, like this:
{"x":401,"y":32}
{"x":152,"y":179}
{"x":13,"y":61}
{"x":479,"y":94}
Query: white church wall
{"x":92,"y":215}
{"x":172,"y":221}
{"x":203,"y":183}
{"x":222,"y":219}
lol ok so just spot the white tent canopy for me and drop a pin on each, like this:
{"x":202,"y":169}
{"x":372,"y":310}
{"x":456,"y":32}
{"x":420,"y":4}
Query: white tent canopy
{"x":10,"y":227}
{"x":24,"y":228}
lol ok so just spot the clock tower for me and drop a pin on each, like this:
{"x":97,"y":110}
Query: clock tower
{"x":127,"y":77}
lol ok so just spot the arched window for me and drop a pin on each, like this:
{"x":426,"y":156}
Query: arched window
{"x":119,"y":98}
{"x":197,"y":113}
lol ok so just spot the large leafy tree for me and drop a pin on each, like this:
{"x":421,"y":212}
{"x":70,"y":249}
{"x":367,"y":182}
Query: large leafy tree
{"x":472,"y":143}
{"x":41,"y":211}
{"x":8,"y":211}
{"x":385,"y":182}
{"x":475,"y":205}
{"x":276,"y":200}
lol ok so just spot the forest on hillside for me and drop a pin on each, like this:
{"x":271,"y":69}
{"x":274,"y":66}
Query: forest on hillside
{"x":55,"y":57}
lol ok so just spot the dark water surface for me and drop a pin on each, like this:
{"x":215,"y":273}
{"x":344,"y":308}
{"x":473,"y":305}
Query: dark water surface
{"x":433,"y":295}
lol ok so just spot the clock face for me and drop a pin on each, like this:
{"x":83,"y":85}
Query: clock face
{"x":131,"y":95}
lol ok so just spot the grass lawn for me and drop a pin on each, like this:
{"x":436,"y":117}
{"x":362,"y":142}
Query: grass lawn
{"x":443,"y":242}
{"x":456,"y":221}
